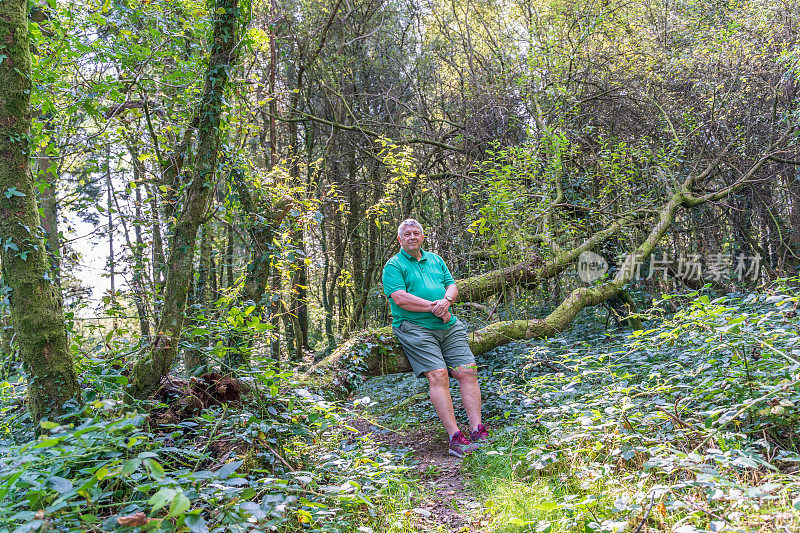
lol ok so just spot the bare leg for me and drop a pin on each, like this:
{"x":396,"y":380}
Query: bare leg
{"x":439,"y":382}
{"x":467,"y":377}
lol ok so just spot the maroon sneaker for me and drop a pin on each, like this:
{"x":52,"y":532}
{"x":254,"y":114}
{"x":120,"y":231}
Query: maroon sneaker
{"x":460,"y":445}
{"x":480,"y":436}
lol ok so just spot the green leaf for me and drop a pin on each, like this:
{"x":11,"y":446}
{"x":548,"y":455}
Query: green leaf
{"x":254,"y":509}
{"x":9,"y":482}
{"x":179,"y":505}
{"x":60,"y":484}
{"x":12,"y":191}
{"x":48,"y":424}
{"x":129,"y":467}
{"x":30,"y":526}
{"x":46,"y":443}
{"x":162,"y":498}
{"x":227,"y":469}
{"x":547,"y":506}
{"x":155,"y":469}
{"x":196,"y":524}
{"x":88,"y":484}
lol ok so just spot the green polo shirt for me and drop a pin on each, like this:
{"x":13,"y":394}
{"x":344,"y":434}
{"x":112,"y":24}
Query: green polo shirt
{"x":427,"y":278}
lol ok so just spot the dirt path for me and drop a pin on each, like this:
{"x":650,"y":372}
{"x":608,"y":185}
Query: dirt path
{"x":447,"y":503}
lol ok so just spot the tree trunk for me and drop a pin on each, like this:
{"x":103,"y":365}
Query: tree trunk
{"x":200,"y":300}
{"x":110,"y":217}
{"x":35,"y":301}
{"x":229,"y":277}
{"x":137,"y":248}
{"x":204,"y":283}
{"x":149,"y":370}
{"x":300,"y":297}
{"x":275,"y":313}
{"x":137,"y":279}
{"x":159,"y":263}
{"x":326,"y":294}
{"x":137,"y":283}
{"x":48,"y":175}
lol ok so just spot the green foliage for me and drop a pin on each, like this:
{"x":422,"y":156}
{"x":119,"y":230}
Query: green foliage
{"x":511,"y":199}
{"x":695,"y":419}
{"x":283,"y":460}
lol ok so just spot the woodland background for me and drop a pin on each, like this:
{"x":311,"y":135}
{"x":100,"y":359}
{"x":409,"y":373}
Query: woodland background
{"x":244,"y":166}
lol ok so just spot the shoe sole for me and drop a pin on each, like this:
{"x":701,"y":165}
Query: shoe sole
{"x":453,"y":452}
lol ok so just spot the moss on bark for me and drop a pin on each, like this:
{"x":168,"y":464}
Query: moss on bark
{"x":35,"y":299}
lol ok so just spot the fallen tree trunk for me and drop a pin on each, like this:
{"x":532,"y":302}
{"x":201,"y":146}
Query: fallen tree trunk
{"x":377,"y":352}
{"x":530,"y":273}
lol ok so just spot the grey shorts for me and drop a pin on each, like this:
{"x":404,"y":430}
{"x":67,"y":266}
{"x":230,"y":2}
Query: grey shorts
{"x":430,"y":349}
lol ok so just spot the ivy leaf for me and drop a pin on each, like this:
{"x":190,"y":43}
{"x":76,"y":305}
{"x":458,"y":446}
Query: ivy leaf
{"x":254,"y":509}
{"x":196,"y":524}
{"x":227,"y":469}
{"x":60,"y":484}
{"x":12,"y":191}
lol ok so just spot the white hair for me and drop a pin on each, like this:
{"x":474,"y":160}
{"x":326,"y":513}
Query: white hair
{"x":409,"y":222}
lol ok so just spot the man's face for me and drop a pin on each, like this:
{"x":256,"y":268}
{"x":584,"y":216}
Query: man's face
{"x":411,"y":239}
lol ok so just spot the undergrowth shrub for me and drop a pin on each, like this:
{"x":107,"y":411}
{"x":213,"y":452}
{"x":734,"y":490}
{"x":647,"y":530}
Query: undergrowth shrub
{"x":281,"y":458}
{"x":690,"y":424}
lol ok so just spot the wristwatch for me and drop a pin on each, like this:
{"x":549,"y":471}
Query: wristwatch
{"x":448,"y":298}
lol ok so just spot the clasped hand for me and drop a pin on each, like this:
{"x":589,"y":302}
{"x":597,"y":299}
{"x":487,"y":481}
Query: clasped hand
{"x":441,"y":309}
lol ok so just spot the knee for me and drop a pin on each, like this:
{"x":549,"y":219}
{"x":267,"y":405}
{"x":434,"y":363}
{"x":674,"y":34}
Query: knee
{"x":438,"y":377}
{"x":466,"y":374}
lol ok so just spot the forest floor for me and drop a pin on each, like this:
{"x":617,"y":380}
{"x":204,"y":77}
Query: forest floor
{"x":690,"y":426}
{"x":447,"y":501}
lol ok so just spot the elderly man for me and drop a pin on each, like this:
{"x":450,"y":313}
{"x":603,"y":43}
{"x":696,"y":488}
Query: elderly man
{"x":421,"y":290}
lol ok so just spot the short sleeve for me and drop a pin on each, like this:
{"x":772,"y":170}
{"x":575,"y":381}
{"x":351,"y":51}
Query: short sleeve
{"x":447,"y":276}
{"x":392,"y":279}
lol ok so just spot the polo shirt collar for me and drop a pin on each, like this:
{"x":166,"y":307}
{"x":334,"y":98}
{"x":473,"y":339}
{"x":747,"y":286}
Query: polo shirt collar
{"x":411,"y":257}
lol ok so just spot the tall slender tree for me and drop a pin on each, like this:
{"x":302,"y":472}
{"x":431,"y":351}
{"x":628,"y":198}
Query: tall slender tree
{"x":196,"y":201}
{"x":36,"y":306}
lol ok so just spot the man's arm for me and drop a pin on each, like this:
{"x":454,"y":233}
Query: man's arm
{"x":409,"y":302}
